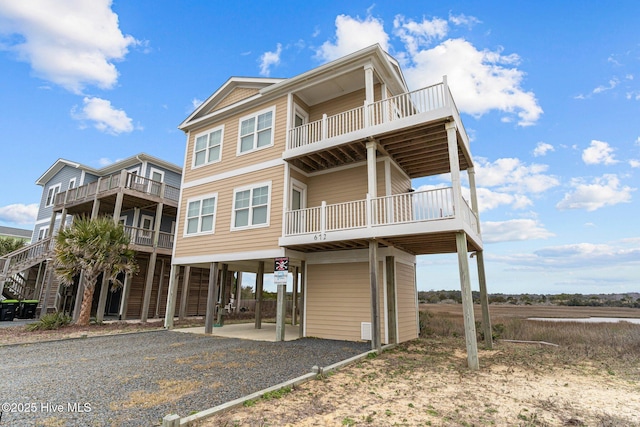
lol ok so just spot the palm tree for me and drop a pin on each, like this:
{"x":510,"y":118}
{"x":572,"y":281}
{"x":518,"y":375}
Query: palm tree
{"x":91,"y":247}
{"x":9,"y":244}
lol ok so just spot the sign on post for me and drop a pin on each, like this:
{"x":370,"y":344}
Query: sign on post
{"x":281,"y":270}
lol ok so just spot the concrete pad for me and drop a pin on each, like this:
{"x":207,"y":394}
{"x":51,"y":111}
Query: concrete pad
{"x":247,"y":331}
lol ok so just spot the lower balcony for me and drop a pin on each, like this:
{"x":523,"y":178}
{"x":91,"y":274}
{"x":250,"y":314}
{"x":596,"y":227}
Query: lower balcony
{"x":143,"y":240}
{"x":420,"y":222}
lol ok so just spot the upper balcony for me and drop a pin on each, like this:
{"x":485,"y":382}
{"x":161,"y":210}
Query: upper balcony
{"x":423,"y":222}
{"x":138,"y":192}
{"x":410,"y":128}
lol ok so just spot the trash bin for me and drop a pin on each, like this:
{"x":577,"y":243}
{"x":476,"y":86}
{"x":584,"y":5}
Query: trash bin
{"x":8,"y":309}
{"x":27,"y":309}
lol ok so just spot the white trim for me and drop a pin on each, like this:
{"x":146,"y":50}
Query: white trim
{"x":72,"y":180}
{"x":51,"y":190}
{"x":385,"y":301}
{"x":286,"y":197}
{"x":43,"y":221}
{"x":179,"y":211}
{"x":152,"y":170}
{"x":255,"y":115}
{"x":231,"y":257}
{"x":303,"y":193}
{"x":250,"y":188}
{"x":206,"y":149}
{"x":233,"y":173}
{"x":42,"y":231}
{"x":200,"y":198}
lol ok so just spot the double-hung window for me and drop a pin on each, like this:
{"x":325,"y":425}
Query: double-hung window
{"x":51,"y":195}
{"x":201,"y":215}
{"x":256,"y":131}
{"x":251,"y":206}
{"x":208,"y":147}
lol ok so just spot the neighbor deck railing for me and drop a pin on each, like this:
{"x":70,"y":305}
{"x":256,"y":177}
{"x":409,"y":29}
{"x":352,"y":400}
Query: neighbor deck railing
{"x":144,"y":237}
{"x":121,"y":179}
{"x":403,"y":208}
{"x":25,"y":256}
{"x":386,"y":110}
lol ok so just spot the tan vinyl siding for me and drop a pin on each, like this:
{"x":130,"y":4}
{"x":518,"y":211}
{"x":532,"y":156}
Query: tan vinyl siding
{"x":224,"y":240}
{"x":337,"y":105}
{"x":338,"y":300}
{"x":400,"y":183}
{"x":407,"y":310}
{"x":229,"y":158}
{"x":237,"y":94}
{"x":346,"y":185}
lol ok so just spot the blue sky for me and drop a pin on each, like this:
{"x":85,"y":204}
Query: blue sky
{"x":549,"y":91}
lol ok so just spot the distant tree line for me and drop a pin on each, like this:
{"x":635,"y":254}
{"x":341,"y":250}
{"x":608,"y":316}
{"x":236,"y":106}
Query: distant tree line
{"x":588,"y":300}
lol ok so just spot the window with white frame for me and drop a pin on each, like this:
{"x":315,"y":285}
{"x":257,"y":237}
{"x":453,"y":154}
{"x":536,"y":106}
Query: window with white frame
{"x":201,"y":215}
{"x":251,"y":206}
{"x":72,"y":183}
{"x":51,"y":195}
{"x":256,"y":131}
{"x":208,"y":147}
{"x":42,"y":233}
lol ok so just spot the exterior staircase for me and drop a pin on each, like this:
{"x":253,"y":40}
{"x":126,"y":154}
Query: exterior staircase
{"x":14,"y":269}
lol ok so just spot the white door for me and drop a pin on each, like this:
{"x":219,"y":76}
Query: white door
{"x":146,"y":224}
{"x":297,"y":204}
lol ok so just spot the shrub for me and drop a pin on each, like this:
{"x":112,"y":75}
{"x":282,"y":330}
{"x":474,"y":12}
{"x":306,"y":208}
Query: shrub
{"x":50,"y":321}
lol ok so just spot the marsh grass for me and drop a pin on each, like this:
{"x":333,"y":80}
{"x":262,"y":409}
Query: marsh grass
{"x":614,"y":347}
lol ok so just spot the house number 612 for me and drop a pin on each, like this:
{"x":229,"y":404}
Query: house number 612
{"x":321,"y":236}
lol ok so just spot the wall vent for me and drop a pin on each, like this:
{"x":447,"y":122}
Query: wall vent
{"x":365,"y":331}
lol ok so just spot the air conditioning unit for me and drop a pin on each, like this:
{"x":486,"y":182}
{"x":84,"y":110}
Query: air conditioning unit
{"x":365,"y":331}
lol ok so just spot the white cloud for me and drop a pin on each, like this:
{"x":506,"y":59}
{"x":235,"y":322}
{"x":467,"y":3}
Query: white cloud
{"x":105,"y":118}
{"x":510,"y":174}
{"x":417,"y":34}
{"x":599,"y":152}
{"x":488,"y":199}
{"x":461,"y":19}
{"x":602,"y":191}
{"x":612,"y":84}
{"x":72,"y":43}
{"x":542,"y":149}
{"x":195,"y":103}
{"x":513,"y":230}
{"x":269,"y":59}
{"x":634,"y":163}
{"x":19,"y":213}
{"x":480,"y":80}
{"x":353,"y":34}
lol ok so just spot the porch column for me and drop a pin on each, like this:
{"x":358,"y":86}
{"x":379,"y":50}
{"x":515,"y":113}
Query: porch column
{"x":102,"y":301}
{"x":78,"y":301}
{"x":390,"y":262}
{"x":303,"y":287}
{"x":212,"y":298}
{"x":63,"y":218}
{"x":184,"y":300}
{"x":52,"y":223}
{"x":259,"y":283}
{"x":474,"y":195}
{"x":372,"y":187}
{"x":239,"y":291}
{"x":294,"y":298}
{"x":484,"y":301}
{"x":95,"y":209}
{"x":454,"y":165}
{"x":118,"y":207}
{"x":223,"y":290}
{"x":124,"y":302}
{"x":148,"y":286}
{"x":47,"y":290}
{"x":280,"y":312}
{"x":375,"y":306}
{"x":467,"y":302}
{"x":160,"y":284}
{"x":368,"y":83}
{"x":172,"y":296}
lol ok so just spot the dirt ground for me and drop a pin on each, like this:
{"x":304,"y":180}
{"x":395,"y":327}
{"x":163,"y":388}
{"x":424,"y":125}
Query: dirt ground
{"x":426,"y":383}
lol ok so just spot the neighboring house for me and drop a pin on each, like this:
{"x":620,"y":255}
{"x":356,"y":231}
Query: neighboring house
{"x":318,"y":168}
{"x":142,"y":192}
{"x":15,"y":233}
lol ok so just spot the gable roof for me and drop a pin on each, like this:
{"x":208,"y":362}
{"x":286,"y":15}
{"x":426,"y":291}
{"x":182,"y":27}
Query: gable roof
{"x":385,"y":65}
{"x":107,"y":170}
{"x":15,"y":232}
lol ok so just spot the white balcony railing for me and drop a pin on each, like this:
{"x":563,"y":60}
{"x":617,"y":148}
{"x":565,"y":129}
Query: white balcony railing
{"x":403,"y":208}
{"x":384,"y":111}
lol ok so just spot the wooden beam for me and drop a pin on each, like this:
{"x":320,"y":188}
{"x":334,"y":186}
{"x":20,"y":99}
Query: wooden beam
{"x":124,"y":301}
{"x":212,"y":298}
{"x":184,"y":297}
{"x":148,"y":286}
{"x":375,"y":307}
{"x":303,"y":290}
{"x":259,"y":283}
{"x":467,"y":302}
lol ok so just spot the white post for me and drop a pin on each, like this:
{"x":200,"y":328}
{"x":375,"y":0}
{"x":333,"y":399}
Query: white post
{"x":280,"y":313}
{"x":172,"y":296}
{"x":454,"y":166}
{"x":467,"y":302}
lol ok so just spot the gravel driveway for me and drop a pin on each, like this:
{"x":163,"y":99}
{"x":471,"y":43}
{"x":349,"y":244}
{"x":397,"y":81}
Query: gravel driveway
{"x":136,"y":379}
